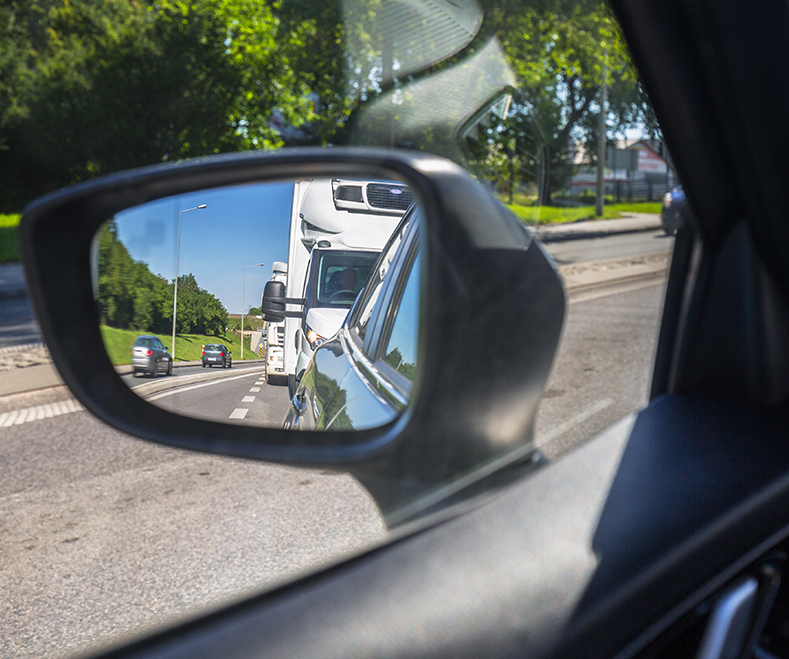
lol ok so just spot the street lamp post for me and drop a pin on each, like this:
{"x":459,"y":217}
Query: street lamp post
{"x":243,"y":286}
{"x":175,"y":281}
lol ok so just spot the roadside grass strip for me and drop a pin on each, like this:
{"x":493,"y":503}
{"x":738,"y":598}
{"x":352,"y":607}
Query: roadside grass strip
{"x":39,"y":412}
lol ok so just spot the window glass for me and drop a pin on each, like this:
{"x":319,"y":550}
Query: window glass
{"x":368,"y":309}
{"x":340,"y":277}
{"x":381,"y":74}
{"x":401,"y":347}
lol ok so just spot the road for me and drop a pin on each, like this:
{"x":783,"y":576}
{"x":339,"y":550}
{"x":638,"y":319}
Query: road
{"x":596,"y":248}
{"x":104,"y":535}
{"x":234,"y":395}
{"x":18,"y":326}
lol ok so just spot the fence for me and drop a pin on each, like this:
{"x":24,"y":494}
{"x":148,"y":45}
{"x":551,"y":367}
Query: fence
{"x":637,"y":189}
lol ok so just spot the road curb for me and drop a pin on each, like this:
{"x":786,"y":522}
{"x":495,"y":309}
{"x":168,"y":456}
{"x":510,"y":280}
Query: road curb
{"x":156,"y":386}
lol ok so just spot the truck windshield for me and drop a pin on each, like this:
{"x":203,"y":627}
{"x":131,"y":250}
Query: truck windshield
{"x":337,"y":276}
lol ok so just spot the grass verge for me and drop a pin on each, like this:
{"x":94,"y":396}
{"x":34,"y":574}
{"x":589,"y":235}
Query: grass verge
{"x":553,"y":215}
{"x":188,"y":347}
{"x":9,"y":250}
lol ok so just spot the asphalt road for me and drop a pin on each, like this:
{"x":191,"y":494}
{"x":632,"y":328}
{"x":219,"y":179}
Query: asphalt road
{"x":17,"y":324}
{"x":104,"y":535}
{"x":234,"y":395}
{"x":579,"y":250}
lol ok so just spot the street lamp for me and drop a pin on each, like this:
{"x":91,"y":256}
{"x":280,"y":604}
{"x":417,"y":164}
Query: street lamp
{"x":243,"y":285}
{"x":175,"y":281}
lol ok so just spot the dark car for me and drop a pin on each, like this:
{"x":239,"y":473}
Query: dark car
{"x":337,"y":391}
{"x":217,"y":354}
{"x":671,"y":212}
{"x":149,"y":356}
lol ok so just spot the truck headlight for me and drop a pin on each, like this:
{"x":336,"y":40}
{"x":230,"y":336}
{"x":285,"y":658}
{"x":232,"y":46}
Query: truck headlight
{"x":313,"y":338}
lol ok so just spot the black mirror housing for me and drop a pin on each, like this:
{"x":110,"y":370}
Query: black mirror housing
{"x":485,"y":275}
{"x":272,"y":304}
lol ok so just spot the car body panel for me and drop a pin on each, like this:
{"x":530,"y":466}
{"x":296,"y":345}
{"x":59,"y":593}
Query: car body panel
{"x":671,"y":210}
{"x":149,"y":356}
{"x":216,"y":353}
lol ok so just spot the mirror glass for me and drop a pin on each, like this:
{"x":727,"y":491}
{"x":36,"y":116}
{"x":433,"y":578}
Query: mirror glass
{"x":179,"y":285}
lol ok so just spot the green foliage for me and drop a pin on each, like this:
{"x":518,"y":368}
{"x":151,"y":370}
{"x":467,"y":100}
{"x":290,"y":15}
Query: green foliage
{"x":131,"y":297}
{"x":534,"y":215}
{"x":560,"y":50}
{"x":89,"y":87}
{"x":9,"y":250}
{"x":95,"y":86}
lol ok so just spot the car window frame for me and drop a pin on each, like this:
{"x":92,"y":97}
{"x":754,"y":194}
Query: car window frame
{"x":394,"y":297}
{"x":369,"y":345}
{"x":354,"y":312}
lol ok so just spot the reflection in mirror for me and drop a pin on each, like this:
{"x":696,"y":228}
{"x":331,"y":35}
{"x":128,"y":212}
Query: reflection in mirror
{"x":232,"y":304}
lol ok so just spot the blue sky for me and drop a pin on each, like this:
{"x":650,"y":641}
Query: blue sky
{"x":240,"y":226}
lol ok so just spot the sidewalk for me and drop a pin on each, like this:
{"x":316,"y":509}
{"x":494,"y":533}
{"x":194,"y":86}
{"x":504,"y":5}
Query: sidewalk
{"x":632,"y":223}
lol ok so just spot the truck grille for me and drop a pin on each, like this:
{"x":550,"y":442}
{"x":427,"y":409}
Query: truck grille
{"x":394,"y":197}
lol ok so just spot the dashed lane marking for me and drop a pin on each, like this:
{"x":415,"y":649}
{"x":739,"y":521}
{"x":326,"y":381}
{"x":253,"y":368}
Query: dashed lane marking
{"x":248,"y":399}
{"x":255,"y":389}
{"x":179,"y":390}
{"x":239,"y":413}
{"x":46,"y":411}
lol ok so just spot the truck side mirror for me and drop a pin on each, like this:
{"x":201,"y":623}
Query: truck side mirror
{"x":272,"y":304}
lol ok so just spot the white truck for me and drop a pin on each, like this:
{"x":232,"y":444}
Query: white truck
{"x":337,"y":230}
{"x":273,"y":348}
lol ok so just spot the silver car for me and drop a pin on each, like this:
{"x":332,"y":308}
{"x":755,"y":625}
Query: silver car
{"x":150,"y":357}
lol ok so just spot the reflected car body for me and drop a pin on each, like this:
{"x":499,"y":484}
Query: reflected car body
{"x":217,"y":353}
{"x":671,"y":212}
{"x":358,"y":380}
{"x":149,"y":356}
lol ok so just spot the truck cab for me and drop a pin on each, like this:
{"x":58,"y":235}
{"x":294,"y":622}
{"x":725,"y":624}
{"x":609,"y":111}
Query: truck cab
{"x":335,"y":277}
{"x":337,"y":229}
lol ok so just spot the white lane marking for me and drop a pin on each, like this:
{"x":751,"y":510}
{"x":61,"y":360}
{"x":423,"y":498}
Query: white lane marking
{"x":239,"y":413}
{"x":22,"y":347}
{"x":171,"y":392}
{"x":248,"y":399}
{"x":255,"y":389}
{"x":259,"y":383}
{"x":46,"y":411}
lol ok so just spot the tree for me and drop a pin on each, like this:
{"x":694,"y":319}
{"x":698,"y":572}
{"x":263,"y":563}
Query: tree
{"x":130,"y":296}
{"x":561,"y":51}
{"x":95,"y":86}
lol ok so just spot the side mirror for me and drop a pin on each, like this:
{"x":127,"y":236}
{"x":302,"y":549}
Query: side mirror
{"x":272,"y":304}
{"x":410,"y":413}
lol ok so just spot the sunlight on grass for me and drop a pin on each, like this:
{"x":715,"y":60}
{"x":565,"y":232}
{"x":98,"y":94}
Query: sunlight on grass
{"x":188,"y":347}
{"x":556,"y":215}
{"x":8,"y":237}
